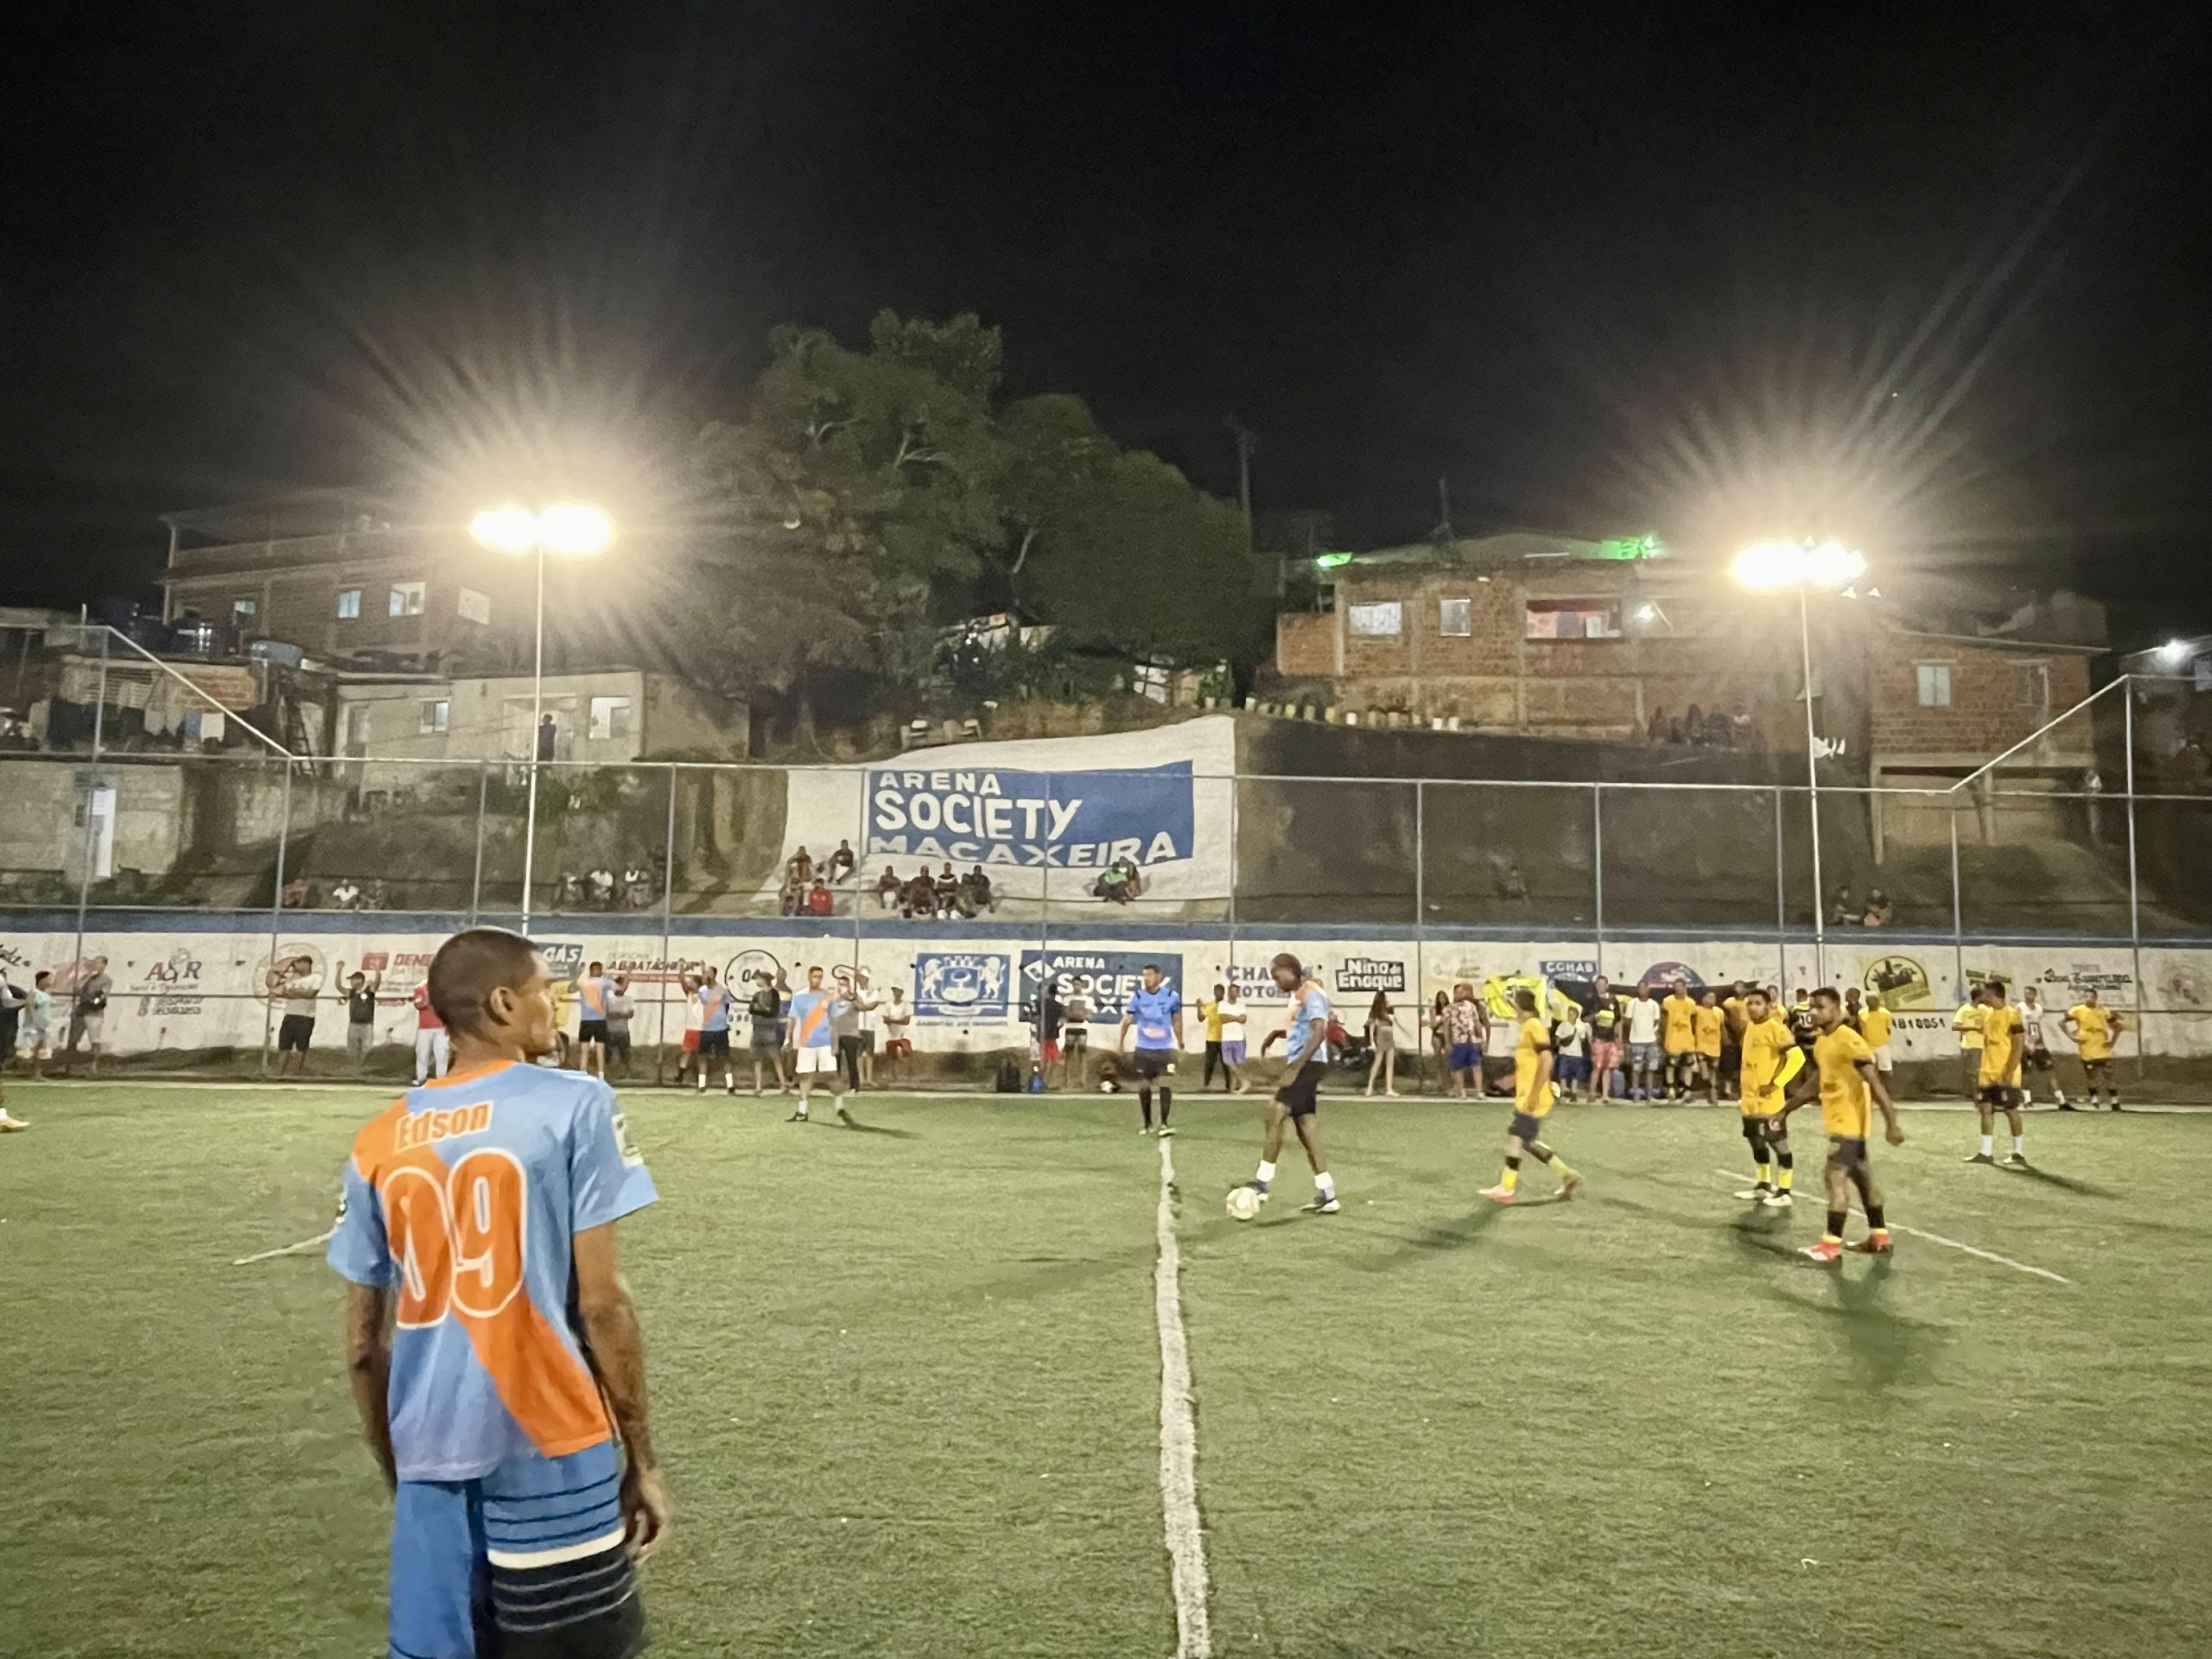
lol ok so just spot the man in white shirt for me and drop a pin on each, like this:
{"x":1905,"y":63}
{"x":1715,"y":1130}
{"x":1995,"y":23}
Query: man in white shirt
{"x":2036,"y":1049}
{"x":1643,"y":1061}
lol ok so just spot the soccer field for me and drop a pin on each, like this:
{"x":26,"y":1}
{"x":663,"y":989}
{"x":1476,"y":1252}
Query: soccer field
{"x":906,"y":1384}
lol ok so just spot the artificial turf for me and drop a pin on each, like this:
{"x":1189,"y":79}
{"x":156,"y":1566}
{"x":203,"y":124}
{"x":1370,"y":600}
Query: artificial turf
{"x":906,"y":1388}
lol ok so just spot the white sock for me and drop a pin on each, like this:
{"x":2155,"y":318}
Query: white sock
{"x":1267,"y":1174}
{"x":2019,"y":1146}
{"x":1989,"y":1146}
{"x":1324,"y":1186}
{"x":838,"y":1101}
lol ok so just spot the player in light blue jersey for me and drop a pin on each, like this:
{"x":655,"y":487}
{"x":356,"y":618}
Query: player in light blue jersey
{"x":813,"y":1016}
{"x":1154,"y":1012}
{"x":496,"y":1359}
{"x":1296,"y":1102}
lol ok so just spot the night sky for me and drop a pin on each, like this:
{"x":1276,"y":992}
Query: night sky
{"x":1937,"y":285}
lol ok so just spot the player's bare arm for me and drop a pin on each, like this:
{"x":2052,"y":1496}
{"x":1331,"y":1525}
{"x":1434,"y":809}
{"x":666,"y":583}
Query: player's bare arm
{"x":1891,"y":1130}
{"x":1121,"y":1035}
{"x":1176,"y":1021}
{"x":368,"y":1365}
{"x":616,"y":1349}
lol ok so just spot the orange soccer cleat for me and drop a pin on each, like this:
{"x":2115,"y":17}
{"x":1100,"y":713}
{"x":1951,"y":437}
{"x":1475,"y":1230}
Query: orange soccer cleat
{"x":1497,"y":1194}
{"x":1828,"y":1250}
{"x":1874,"y":1243}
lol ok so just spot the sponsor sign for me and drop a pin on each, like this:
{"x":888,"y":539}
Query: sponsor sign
{"x":289,"y":976}
{"x":1581,"y":968}
{"x":1113,"y":975}
{"x":1900,"y":982}
{"x":1049,"y":820}
{"x":2113,"y":988}
{"x":963,"y":987}
{"x":1664,"y":973}
{"x":1370,"y":974}
{"x":170,"y":989}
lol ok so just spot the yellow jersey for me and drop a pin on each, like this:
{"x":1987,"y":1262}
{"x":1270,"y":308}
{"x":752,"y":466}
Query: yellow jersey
{"x":1773,"y":1059}
{"x":2000,"y":1046}
{"x":1732,"y":1009}
{"x":1527,"y":1057}
{"x":1846,"y":1104}
{"x":1967,"y":1023}
{"x":1678,"y":1029}
{"x":1707,"y":1023}
{"x":2092,"y":1030}
{"x":1211,"y":1013}
{"x":1874,"y":1026}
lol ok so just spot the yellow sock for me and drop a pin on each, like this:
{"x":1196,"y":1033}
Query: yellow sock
{"x":1788,"y":1176}
{"x":1831,"y":1239}
{"x":1766,"y":1172}
{"x":1511,"y":1179}
{"x":1560,"y":1166}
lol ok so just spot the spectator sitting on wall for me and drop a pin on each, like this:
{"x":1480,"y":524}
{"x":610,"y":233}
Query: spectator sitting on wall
{"x":888,"y":886}
{"x":948,"y":891}
{"x":345,"y":895}
{"x":820,"y":901}
{"x":799,"y":866}
{"x":297,"y":895}
{"x":976,"y":894}
{"x":1841,"y":911}
{"x":569,"y":892}
{"x":792,"y":899}
{"x":1656,"y":728}
{"x":1880,"y":912}
{"x":379,"y":897}
{"x":919,"y":897}
{"x":638,"y":886}
{"x":842,"y":862}
{"x":602,"y":886}
{"x":1719,"y":730}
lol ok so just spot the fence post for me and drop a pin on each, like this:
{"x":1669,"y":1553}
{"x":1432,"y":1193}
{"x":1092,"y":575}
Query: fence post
{"x":85,"y":876}
{"x":667,"y":928}
{"x":1958,"y":914}
{"x":476,"y":878}
{"x":1420,"y":857}
{"x":1781,"y":906}
{"x":276,"y":910}
{"x":2134,"y":904}
{"x":1598,"y":866}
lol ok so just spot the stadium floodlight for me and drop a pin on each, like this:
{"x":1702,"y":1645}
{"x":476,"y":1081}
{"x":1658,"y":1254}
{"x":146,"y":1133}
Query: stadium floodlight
{"x":2174,"y":652}
{"x":573,"y":529}
{"x":1827,"y":566}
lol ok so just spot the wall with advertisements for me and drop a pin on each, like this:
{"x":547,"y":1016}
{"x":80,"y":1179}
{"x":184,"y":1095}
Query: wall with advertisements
{"x":219,"y":982}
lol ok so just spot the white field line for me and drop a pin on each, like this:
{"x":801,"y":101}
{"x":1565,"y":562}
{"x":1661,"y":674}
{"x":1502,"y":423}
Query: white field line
{"x":1178,"y":1436}
{"x":1737,"y":1175}
{"x":300,"y":1248}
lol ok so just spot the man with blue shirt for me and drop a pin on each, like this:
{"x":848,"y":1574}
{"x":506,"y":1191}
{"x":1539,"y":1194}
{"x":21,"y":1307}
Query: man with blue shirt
{"x":714,"y":1001}
{"x":814,"y":1037}
{"x":495,"y":1355}
{"x":1297,"y":1101}
{"x":1154,"y":1011}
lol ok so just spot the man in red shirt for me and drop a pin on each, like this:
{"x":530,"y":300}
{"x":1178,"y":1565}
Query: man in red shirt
{"x":821,"y":901}
{"x":430,"y":1054}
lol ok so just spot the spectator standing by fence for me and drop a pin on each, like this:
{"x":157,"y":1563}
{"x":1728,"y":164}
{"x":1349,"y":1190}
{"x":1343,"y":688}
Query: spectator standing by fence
{"x":432,"y":1050}
{"x":293,"y":986}
{"x":897,"y":1021}
{"x":1075,"y":1033}
{"x":360,"y":998}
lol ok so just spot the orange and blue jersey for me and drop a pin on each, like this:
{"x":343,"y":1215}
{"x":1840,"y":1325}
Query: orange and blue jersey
{"x":463,"y":1198}
{"x":592,"y":993}
{"x":810,"y":1016}
{"x":714,"y":1002}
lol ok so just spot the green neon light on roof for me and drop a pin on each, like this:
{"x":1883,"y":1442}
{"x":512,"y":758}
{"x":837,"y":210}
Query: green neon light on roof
{"x":1630,"y":547}
{"x":1331,"y":561}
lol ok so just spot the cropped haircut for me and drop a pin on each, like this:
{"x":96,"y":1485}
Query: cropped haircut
{"x":470,"y":966}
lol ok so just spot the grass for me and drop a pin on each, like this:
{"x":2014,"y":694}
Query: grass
{"x":906,"y":1386}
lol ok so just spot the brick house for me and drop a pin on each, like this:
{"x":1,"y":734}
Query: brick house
{"x":1553,"y":637}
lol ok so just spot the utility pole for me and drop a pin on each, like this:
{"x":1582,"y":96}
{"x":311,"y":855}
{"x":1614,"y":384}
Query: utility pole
{"x":1444,"y":510}
{"x":1247,"y":442}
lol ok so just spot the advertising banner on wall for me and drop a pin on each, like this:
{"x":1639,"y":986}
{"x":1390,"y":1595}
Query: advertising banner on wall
{"x":1057,"y":810}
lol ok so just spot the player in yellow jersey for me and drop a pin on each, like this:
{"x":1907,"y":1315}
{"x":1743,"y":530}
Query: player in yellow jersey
{"x":1967,"y":1022}
{"x":2093,"y":1028}
{"x":1678,"y":1037}
{"x":1772,"y":1062}
{"x":1532,"y":1103}
{"x":1998,"y":1084}
{"x":1708,"y":1024}
{"x":1843,"y":1075}
{"x":1874,"y":1024}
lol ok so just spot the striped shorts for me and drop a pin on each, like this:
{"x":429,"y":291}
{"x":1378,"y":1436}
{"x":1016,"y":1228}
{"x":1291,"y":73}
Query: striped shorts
{"x":525,"y":1562}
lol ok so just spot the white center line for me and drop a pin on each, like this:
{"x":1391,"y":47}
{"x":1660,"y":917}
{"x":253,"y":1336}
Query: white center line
{"x":1950,"y":1243}
{"x":1178,"y":1436}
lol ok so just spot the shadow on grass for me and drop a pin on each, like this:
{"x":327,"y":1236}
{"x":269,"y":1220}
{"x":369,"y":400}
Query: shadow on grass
{"x":859,"y":1128}
{"x":1460,"y":1235}
{"x":2065,"y":1183}
{"x":1885,"y":1348}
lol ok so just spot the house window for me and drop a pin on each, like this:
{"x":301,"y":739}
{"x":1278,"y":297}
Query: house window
{"x":243,"y":610}
{"x":1572,"y":619}
{"x":1455,"y":617}
{"x":349,"y":604}
{"x":1934,"y":684}
{"x":475,"y":607}
{"x":435,"y":712}
{"x":610,"y":716}
{"x":1385,"y":618}
{"x":2031,"y":686}
{"x":356,"y":728}
{"x":407,"y":598}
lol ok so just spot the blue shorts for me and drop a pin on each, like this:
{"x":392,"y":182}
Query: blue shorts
{"x":1464,"y":1056}
{"x":526,"y":1559}
{"x":1571,"y":1068}
{"x":1643,"y":1057}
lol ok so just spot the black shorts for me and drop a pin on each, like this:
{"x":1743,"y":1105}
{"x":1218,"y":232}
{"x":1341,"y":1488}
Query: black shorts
{"x":713,"y":1042}
{"x":1298,"y":1095}
{"x":1150,"y":1063}
{"x":2039,"y":1060}
{"x":1999,"y":1094}
{"x":1527,"y":1128}
{"x":2093,"y":1067}
{"x":294,"y":1032}
{"x":1847,"y":1153}
{"x":591,"y":1031}
{"x":1758,"y":1128}
{"x":617,"y":1042}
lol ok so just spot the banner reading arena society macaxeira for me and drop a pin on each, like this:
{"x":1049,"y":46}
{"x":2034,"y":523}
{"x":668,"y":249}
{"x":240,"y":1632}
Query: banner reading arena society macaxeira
{"x":1057,"y":810}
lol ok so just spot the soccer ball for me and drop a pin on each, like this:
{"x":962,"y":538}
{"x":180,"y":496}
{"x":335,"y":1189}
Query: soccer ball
{"x":1243,"y":1203}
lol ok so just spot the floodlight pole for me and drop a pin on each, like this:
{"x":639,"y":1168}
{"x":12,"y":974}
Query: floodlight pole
{"x":1812,"y":786}
{"x":536,"y":717}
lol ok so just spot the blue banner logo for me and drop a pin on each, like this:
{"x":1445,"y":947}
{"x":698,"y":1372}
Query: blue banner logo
{"x":1113,"y":975}
{"x":970,"y":986}
{"x":1051,"y":820}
